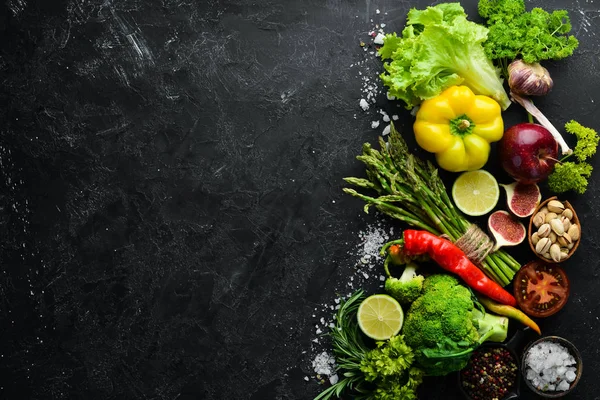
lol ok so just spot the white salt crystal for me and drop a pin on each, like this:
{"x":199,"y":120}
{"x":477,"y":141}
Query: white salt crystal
{"x":374,"y":124}
{"x":548,"y":367}
{"x":386,"y":130}
{"x":324,"y":364}
{"x":363,"y":104}
{"x":377,"y":11}
{"x":333,"y":379}
{"x":379,"y":38}
{"x":386,"y":118}
{"x":306,"y":378}
{"x":395,"y":117}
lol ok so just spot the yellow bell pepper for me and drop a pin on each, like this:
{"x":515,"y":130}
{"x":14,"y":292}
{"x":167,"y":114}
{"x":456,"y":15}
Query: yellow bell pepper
{"x":458,"y":126}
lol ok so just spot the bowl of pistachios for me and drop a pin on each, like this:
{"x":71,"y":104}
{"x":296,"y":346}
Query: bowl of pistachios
{"x":554,"y":230}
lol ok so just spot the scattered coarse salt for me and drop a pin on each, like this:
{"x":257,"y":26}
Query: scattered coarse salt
{"x":395,"y":117}
{"x":306,"y":378}
{"x":364,"y":105}
{"x":377,"y":11}
{"x":333,"y":379}
{"x":386,"y":118}
{"x":386,"y":130}
{"x":550,"y":367}
{"x":324,"y":364}
{"x":374,"y":124}
{"x":379,"y":38}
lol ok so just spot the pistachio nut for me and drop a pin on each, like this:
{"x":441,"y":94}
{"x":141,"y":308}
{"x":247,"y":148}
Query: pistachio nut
{"x":538,"y":219}
{"x":555,"y":206}
{"x":549,"y":217}
{"x":565,"y":239}
{"x":574,"y":232}
{"x":566,"y":223}
{"x":544,"y":230}
{"x":568,"y":213}
{"x":543,"y":245}
{"x":557,"y":226}
{"x":555,"y":252}
{"x":535,"y":238}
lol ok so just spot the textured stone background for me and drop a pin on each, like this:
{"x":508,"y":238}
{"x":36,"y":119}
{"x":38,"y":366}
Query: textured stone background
{"x":172,"y":220}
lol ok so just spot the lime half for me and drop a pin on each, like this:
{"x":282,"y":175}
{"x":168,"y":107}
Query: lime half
{"x":475,"y":193}
{"x":380,"y":317}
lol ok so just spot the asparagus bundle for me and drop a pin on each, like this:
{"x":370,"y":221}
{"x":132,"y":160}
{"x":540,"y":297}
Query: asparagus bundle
{"x":411,"y":190}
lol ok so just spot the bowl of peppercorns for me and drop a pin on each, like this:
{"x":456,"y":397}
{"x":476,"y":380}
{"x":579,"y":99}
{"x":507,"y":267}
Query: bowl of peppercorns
{"x":491,"y":374}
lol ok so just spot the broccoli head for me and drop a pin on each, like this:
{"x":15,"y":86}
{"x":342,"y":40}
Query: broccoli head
{"x":446,"y":323}
{"x":406,"y":288}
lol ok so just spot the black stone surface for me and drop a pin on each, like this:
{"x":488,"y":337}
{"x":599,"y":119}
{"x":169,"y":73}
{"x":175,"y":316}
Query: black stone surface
{"x":172,"y":220}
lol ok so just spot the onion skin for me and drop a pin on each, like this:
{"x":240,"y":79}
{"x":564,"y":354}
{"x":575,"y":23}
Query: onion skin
{"x":529,"y":79}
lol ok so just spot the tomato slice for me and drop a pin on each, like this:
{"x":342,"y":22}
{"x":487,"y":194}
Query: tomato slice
{"x":541,"y":289}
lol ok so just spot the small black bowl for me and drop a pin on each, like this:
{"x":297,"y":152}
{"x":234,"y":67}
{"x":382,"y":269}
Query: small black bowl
{"x":571,"y":349}
{"x":512,"y":346}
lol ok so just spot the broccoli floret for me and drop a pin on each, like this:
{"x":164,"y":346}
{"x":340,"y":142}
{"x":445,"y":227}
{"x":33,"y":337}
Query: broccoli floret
{"x":406,"y":288}
{"x":446,"y":323}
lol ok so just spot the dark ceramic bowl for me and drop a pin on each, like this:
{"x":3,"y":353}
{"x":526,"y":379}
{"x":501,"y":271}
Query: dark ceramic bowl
{"x":512,"y":347}
{"x":572,"y":350}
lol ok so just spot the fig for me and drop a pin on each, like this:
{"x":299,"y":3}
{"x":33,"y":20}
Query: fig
{"x":506,"y":229}
{"x":522,"y":198}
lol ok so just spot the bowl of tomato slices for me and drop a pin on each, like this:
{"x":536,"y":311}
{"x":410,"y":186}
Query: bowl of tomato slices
{"x":541,"y":289}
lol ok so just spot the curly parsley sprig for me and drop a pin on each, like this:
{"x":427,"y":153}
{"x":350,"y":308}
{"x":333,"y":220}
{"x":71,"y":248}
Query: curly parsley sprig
{"x":534,"y":36}
{"x":574,"y":175}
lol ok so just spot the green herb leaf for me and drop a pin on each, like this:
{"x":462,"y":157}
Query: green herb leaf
{"x":533,"y":36}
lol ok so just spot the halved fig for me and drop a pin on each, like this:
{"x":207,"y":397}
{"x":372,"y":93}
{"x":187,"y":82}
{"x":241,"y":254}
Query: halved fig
{"x":522,"y":198}
{"x":506,"y":229}
{"x":541,"y":289}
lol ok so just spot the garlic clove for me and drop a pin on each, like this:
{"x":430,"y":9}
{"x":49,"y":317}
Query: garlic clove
{"x":529,"y":79}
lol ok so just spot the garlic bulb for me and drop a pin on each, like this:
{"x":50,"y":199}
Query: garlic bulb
{"x":529,"y":79}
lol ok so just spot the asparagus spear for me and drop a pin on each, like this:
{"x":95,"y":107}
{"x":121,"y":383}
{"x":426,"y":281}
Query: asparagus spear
{"x":411,"y":190}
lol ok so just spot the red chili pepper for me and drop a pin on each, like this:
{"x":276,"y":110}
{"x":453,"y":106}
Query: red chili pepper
{"x":454,"y":260}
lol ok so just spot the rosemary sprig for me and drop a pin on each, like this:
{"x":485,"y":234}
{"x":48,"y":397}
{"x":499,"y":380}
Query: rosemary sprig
{"x":348,"y":348}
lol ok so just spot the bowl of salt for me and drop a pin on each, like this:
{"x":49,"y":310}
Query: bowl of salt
{"x":551,"y":367}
